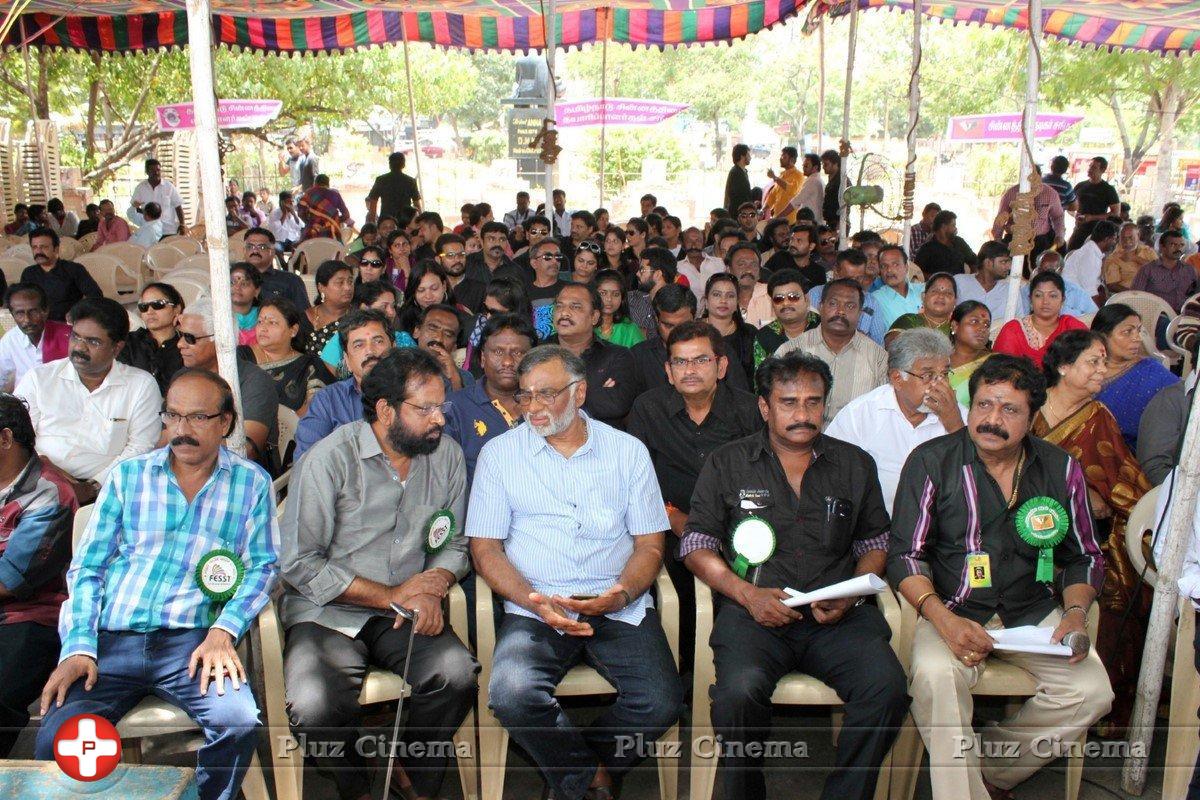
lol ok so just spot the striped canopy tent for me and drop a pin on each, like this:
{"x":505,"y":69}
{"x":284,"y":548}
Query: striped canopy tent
{"x":325,"y":26}
{"x":1161,"y":26}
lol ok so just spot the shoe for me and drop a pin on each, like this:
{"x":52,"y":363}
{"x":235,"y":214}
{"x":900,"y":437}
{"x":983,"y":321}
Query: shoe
{"x":599,"y":793}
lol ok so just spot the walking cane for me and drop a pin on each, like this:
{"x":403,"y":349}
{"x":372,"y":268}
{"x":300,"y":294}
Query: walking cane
{"x":410,"y":615}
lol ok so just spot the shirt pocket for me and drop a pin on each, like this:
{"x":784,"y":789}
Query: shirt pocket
{"x":116,"y":435}
{"x":837,"y":524}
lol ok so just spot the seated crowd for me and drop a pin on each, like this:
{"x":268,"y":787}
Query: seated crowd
{"x":561,"y":407}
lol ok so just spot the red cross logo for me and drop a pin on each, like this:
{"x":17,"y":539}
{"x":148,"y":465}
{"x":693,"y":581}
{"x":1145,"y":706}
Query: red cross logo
{"x":87,"y":748}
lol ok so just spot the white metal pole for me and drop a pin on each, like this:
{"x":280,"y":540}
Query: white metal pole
{"x":821,"y":93}
{"x":914,"y":111}
{"x":844,"y":172}
{"x":1033,"y":71}
{"x":550,"y":23}
{"x":603,"y":104}
{"x":216,"y":240}
{"x":412,"y":110}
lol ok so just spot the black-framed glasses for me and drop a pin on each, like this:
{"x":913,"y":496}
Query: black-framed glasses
{"x":374,"y":262}
{"x":195,"y":420}
{"x":544,"y":396}
{"x":157,"y":305}
{"x":192,"y":338}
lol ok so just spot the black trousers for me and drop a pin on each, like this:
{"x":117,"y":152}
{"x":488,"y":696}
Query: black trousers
{"x":852,"y":656}
{"x":324,"y":670}
{"x":29,"y":655}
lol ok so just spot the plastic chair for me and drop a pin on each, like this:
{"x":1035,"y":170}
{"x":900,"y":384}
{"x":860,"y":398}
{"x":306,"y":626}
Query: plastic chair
{"x":379,"y":686}
{"x":107,"y":271}
{"x":68,"y":248}
{"x":155,"y":717}
{"x":794,"y":689}
{"x":580,"y":681}
{"x":289,"y":421}
{"x":22,"y":252}
{"x":316,"y":251}
{"x":12,"y":269}
{"x":163,"y":257}
{"x":87,"y":242}
{"x":1148,"y":306}
{"x":184,"y":244}
{"x":1190,"y":324}
{"x":1142,"y":520}
{"x":198,"y":261}
{"x":131,"y":257}
{"x":999,"y":679}
{"x":1183,"y":735}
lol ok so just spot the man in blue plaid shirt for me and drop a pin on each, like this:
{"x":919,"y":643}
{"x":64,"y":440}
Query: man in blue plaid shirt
{"x":178,"y":559}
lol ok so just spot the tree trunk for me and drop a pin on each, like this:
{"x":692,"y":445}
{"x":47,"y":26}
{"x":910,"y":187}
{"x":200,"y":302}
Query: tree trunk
{"x":1166,"y":144}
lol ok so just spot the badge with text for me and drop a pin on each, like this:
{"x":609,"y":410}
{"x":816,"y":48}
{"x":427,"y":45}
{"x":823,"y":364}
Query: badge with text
{"x":753,"y":543}
{"x":1042,"y":523}
{"x":219,"y":574}
{"x":440,"y":530}
{"x":979,"y":570}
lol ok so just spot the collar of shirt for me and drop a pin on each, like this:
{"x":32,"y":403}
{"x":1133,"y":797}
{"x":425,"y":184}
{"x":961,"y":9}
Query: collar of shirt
{"x":18,"y":486}
{"x":537,"y":442}
{"x":118,"y":375}
{"x":722,"y":404}
{"x":159,"y":460}
{"x":762,"y":447}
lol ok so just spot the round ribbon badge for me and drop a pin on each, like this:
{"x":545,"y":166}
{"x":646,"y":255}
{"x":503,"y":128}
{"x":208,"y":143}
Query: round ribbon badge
{"x":219,"y":574}
{"x":1042,"y":523}
{"x":753,"y":543}
{"x":440,"y":529}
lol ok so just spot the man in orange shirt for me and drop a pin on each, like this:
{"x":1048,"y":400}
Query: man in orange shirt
{"x":787,"y":185}
{"x":1130,"y":255}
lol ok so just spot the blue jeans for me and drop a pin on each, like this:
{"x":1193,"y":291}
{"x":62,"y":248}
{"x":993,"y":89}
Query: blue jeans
{"x":134,"y":665}
{"x":530,"y":660}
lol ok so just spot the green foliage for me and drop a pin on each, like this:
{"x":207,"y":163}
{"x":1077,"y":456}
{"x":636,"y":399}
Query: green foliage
{"x":991,"y":170}
{"x":624,"y":151}
{"x":485,"y":147}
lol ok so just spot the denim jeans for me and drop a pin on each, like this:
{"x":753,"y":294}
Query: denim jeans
{"x":133,"y":665}
{"x":530,"y":660}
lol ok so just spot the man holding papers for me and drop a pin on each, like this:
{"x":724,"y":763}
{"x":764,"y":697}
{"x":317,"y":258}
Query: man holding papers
{"x":790,"y":508}
{"x":992,"y":529}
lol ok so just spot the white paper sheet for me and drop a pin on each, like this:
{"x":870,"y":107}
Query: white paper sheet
{"x":1028,"y":639}
{"x":855,"y":587}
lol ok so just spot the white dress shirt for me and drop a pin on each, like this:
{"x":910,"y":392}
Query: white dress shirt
{"x":285,"y":229}
{"x":18,"y":355}
{"x":168,"y":200}
{"x":875,"y":423}
{"x":697,"y":278}
{"x":996,"y":300}
{"x":87,"y":433}
{"x":561,"y":222}
{"x":1085,"y":267}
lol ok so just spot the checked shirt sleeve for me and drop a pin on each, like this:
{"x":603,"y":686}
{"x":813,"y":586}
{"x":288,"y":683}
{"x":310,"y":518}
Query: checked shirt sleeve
{"x":260,"y":555}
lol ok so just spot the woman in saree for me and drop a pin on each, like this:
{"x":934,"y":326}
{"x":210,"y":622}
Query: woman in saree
{"x":298,"y":375}
{"x":1133,"y":377}
{"x":1075,"y":367}
{"x":937,"y":307}
{"x":1032,"y":335}
{"x":970,"y":325}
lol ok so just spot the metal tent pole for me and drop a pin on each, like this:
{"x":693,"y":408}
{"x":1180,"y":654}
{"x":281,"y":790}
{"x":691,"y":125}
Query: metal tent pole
{"x":914,"y":115}
{"x":549,"y":23}
{"x":412,"y":110}
{"x":844,"y":149}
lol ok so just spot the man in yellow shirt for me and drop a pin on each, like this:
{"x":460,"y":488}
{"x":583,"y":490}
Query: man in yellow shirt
{"x":787,"y":185}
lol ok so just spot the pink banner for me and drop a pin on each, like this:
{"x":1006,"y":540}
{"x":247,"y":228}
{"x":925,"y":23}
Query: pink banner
{"x":1006,"y":127}
{"x":614,"y":111}
{"x":230,"y":114}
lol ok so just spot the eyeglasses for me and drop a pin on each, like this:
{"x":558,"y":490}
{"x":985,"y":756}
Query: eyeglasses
{"x":428,"y":411}
{"x":456,"y":254}
{"x":544,"y":396}
{"x":929,"y":377}
{"x":488,"y":311}
{"x":795,"y":297}
{"x":698,"y":361}
{"x":591,"y":247}
{"x":90,"y":341}
{"x":257,"y":246}
{"x":195,"y":420}
{"x":551,"y":257}
{"x":192,"y":338}
{"x":157,"y":305}
{"x":374,"y":262}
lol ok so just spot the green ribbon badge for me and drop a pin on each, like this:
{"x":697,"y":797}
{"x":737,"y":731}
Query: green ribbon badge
{"x":753,"y":543}
{"x":440,"y":530}
{"x":219,"y":574}
{"x":1042,"y":523}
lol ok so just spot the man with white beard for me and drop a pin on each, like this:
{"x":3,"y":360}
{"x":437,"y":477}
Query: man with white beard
{"x":566,"y":523}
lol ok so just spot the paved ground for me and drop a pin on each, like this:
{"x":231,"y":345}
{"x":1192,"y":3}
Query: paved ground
{"x":795,"y":778}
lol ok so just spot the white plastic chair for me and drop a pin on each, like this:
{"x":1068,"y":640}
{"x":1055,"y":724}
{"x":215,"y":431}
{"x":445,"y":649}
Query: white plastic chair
{"x":131,"y":257}
{"x":1142,"y":520}
{"x":184,"y":244}
{"x":22,"y":252}
{"x":163,"y":257}
{"x":794,"y":689}
{"x":316,"y":251}
{"x":580,"y":681}
{"x":109,"y":272}
{"x":12,"y":269}
{"x":288,"y":423}
{"x":198,"y":261}
{"x":155,"y":717}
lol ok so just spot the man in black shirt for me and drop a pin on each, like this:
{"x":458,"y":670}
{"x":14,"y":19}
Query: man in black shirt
{"x":260,"y":253}
{"x":91,"y":221}
{"x":491,"y":261}
{"x":798,"y":255}
{"x":611,"y":388}
{"x":944,"y":251}
{"x":984,"y":516}
{"x":812,"y":508}
{"x":680,"y":425}
{"x":397,"y":192}
{"x":831,"y":163}
{"x":451,"y":252}
{"x":64,"y":282}
{"x":1098,"y":200}
{"x":737,"y":182}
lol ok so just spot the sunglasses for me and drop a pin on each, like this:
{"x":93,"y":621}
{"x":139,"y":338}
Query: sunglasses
{"x":157,"y":305}
{"x":192,"y":338}
{"x":780,"y":298}
{"x":591,"y":247}
{"x":374,"y":262}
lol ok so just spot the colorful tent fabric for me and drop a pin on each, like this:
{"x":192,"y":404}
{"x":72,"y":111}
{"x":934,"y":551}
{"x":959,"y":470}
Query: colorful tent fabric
{"x":296,"y":26}
{"x":1162,"y":26}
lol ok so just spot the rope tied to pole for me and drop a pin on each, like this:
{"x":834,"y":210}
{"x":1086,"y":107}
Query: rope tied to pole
{"x":1023,"y":215}
{"x":907,"y":207}
{"x":844,"y":149}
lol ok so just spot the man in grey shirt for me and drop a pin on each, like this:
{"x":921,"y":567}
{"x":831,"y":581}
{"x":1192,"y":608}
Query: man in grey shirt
{"x":1160,"y":431}
{"x":374,"y":517}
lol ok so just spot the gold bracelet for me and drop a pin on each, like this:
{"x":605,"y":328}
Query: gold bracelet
{"x":921,"y":602}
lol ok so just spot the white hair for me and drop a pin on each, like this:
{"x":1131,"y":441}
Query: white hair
{"x":916,"y":343}
{"x":202,"y":308}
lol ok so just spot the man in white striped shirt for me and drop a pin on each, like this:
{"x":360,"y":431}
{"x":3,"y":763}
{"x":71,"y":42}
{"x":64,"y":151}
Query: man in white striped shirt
{"x":566,"y":523}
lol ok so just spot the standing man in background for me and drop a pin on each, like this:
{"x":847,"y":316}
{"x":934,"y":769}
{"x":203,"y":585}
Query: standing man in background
{"x":737,"y":183}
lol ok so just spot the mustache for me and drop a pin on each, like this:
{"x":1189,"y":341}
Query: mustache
{"x":79,"y":355}
{"x":802,"y":426}
{"x":369,"y":360}
{"x":994,"y":430}
{"x":181,"y":440}
{"x":839,"y":317}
